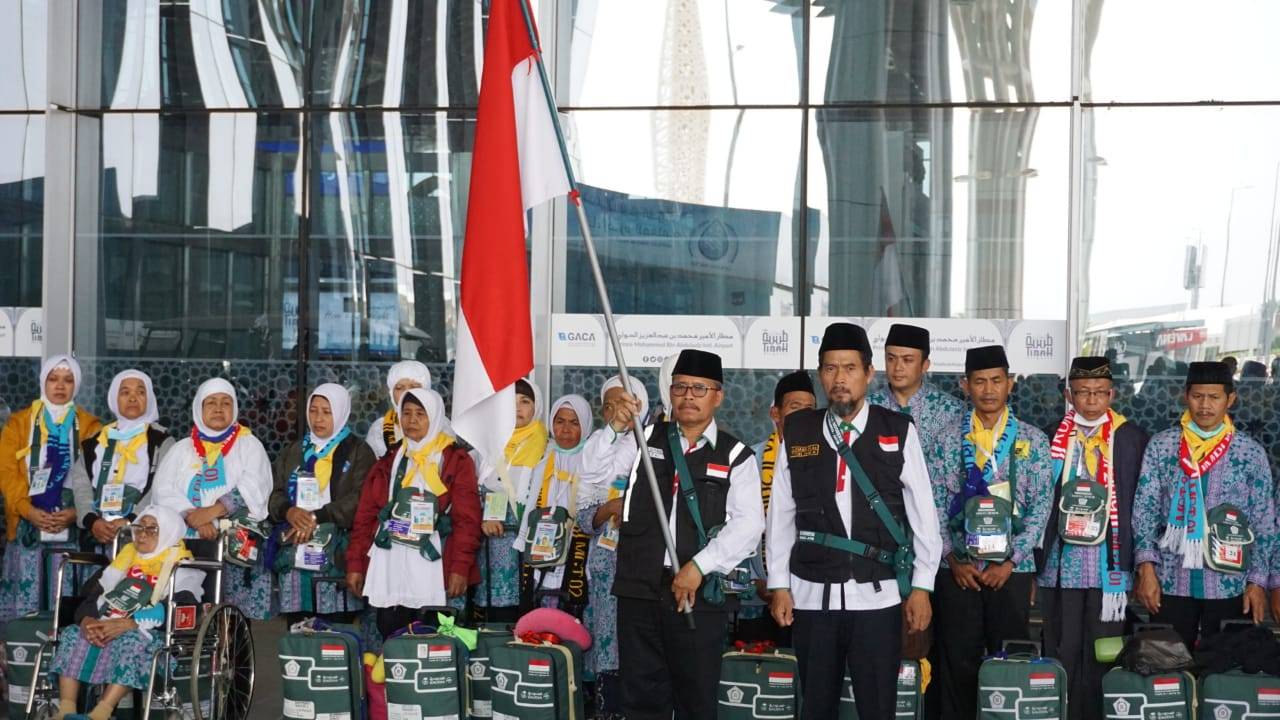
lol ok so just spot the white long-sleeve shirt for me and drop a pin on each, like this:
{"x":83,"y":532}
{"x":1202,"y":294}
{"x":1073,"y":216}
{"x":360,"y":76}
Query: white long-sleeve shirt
{"x":744,"y":512}
{"x":922,"y":515}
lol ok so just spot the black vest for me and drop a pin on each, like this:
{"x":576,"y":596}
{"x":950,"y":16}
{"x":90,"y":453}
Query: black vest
{"x":89,"y":451}
{"x":641,"y":550}
{"x":812,"y":465}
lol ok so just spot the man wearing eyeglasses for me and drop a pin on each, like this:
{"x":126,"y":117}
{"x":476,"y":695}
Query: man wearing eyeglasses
{"x":711,"y":502}
{"x":853,"y":535}
{"x":1087,"y":560}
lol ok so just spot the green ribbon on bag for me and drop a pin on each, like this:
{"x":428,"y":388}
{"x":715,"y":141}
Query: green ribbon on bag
{"x":446,"y":626}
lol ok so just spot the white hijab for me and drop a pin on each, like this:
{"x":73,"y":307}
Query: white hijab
{"x":49,"y":365}
{"x":339,"y":404}
{"x":637,"y":389}
{"x":213,"y":386}
{"x":407,"y":370}
{"x":150,"y":415}
{"x":568,"y":460}
{"x":437,"y":421}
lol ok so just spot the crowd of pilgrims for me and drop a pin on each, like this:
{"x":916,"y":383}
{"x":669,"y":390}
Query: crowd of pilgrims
{"x":413,"y":520}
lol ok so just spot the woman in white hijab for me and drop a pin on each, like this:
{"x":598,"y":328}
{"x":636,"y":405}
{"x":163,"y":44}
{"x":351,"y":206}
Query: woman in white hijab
{"x":610,"y":457}
{"x":385,"y":433}
{"x":38,"y":447}
{"x":417,"y":527}
{"x":219,"y":471}
{"x":317,"y":485}
{"x":113,"y":476}
{"x":118,"y":626}
{"x":556,"y":483}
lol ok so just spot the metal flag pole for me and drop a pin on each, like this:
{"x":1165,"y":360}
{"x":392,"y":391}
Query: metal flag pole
{"x":637,"y":429}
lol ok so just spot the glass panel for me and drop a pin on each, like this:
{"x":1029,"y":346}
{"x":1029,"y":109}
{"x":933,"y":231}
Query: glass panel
{"x":388,"y":194}
{"x":23,"y":54}
{"x":935,"y":51}
{"x":939,"y":212}
{"x":413,"y":53}
{"x":203,"y":53}
{"x":1181,"y":50}
{"x":21,"y":213}
{"x":683,"y":52}
{"x":195,"y":253}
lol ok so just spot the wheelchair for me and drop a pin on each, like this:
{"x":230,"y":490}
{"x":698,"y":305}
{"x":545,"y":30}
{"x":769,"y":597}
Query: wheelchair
{"x":203,"y":670}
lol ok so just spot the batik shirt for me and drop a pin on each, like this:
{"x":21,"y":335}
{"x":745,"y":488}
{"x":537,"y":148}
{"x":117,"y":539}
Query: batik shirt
{"x":1241,"y":477}
{"x":1074,"y":567}
{"x":1033,"y":488}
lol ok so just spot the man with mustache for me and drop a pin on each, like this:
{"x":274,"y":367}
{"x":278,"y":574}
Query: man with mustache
{"x":711,"y":501}
{"x":996,"y":508}
{"x":853,"y":535}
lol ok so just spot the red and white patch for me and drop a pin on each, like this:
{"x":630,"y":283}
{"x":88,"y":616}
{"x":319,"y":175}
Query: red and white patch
{"x":888,"y":443}
{"x":1166,"y":685}
{"x":540,"y":667}
{"x":184,"y":617}
{"x":439,"y":652}
{"x":1043,"y":680}
{"x":717,"y":471}
{"x":332,"y":652}
{"x":781,"y":678}
{"x":987,"y":504}
{"x":1231,"y":517}
{"x":1269,"y":696}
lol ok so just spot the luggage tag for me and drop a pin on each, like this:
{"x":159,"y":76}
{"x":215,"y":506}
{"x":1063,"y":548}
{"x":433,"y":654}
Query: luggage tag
{"x":554,"y":578}
{"x":112,"y":500}
{"x":422,"y":517}
{"x":495,"y":507}
{"x":309,"y":492}
{"x":544,"y":540}
{"x":39,"y":481}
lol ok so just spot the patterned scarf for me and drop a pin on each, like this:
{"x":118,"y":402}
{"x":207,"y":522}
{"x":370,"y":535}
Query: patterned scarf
{"x":768,"y":460}
{"x":1098,"y":453}
{"x":59,"y":437}
{"x":212,"y":450}
{"x":391,"y":433}
{"x":984,"y":451}
{"x":1198,"y":452}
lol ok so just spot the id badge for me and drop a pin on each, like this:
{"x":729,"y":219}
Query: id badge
{"x":422,"y":517}
{"x":39,"y":482}
{"x":544,"y":541}
{"x":554,"y":578}
{"x":1083,"y":526}
{"x":309,"y":557}
{"x":609,"y":538}
{"x":58,"y":537}
{"x":112,"y":498}
{"x":990,"y":544}
{"x":309,"y":492}
{"x":495,"y":507}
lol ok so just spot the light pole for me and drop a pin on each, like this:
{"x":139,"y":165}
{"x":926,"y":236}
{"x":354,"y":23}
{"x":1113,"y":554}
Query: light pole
{"x":1226,"y":250}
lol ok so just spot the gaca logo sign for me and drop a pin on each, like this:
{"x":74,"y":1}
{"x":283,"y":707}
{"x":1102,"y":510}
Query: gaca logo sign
{"x":576,"y":337}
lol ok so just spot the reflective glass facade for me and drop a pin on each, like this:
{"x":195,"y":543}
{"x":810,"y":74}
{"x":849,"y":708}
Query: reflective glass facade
{"x":275,"y":190}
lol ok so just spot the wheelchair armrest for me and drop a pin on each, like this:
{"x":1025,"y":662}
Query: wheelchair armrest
{"x":78,"y":558}
{"x":201,"y":564}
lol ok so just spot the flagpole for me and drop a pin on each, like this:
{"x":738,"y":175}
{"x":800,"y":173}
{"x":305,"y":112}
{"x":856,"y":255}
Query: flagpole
{"x":637,"y":428}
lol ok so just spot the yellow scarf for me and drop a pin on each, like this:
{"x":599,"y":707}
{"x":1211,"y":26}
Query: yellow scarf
{"x":768,"y":459}
{"x":527,"y":445}
{"x":984,"y":439}
{"x":37,"y":416}
{"x":548,"y":471}
{"x":1095,"y":446}
{"x":1200,"y":447}
{"x":128,"y":559}
{"x":126,"y":452}
{"x":212,"y":450}
{"x":424,"y":462}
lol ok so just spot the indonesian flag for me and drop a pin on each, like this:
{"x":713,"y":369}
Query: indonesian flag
{"x":516,"y":165}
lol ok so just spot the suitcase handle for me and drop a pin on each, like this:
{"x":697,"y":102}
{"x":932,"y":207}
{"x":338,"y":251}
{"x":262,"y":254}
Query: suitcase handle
{"x":1034,"y":646}
{"x":1234,"y":623}
{"x":1143,"y":627}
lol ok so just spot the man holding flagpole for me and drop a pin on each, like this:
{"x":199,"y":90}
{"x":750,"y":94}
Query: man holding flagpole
{"x":711,"y":503}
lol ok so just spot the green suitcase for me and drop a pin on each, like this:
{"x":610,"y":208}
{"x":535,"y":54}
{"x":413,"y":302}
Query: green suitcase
{"x":910,"y":702}
{"x":1168,"y":696}
{"x":182,"y":681}
{"x":426,"y":676}
{"x":479,"y":675}
{"x":322,"y":676}
{"x":23,"y":638}
{"x":1237,"y":695}
{"x":537,"y":681}
{"x":1021,"y":686}
{"x":759,"y":685}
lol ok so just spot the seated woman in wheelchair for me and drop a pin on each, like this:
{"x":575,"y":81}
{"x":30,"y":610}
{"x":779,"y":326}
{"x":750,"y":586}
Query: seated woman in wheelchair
{"x":120,"y":624}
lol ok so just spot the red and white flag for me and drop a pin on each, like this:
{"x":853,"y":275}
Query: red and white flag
{"x":516,"y":165}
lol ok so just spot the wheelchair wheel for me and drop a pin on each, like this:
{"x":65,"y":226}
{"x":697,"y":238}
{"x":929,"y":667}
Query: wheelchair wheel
{"x":224,"y":637}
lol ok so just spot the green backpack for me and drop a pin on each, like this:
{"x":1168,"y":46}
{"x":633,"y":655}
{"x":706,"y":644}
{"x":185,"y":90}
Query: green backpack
{"x":537,"y":681}
{"x":1021,"y":686}
{"x":426,"y":676}
{"x":479,"y":668}
{"x":322,"y":674}
{"x":1126,"y":694}
{"x":1237,"y":695}
{"x":758,"y":685}
{"x":910,"y":702}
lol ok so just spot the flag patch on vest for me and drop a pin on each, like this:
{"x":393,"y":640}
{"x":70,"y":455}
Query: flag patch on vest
{"x":656,"y":453}
{"x":717,"y":471}
{"x":889,"y":443}
{"x":803,"y":451}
